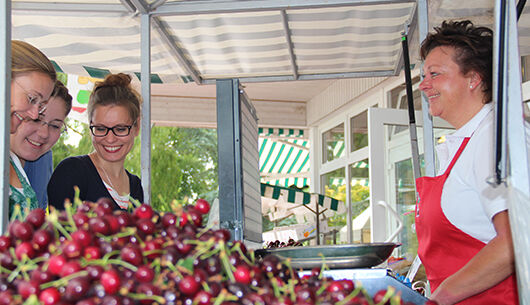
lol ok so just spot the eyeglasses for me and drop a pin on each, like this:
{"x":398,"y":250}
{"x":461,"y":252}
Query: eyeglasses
{"x":118,"y":130}
{"x":33,"y":99}
{"x":54,"y":126}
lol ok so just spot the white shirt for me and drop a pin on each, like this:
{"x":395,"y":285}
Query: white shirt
{"x":468,"y":201}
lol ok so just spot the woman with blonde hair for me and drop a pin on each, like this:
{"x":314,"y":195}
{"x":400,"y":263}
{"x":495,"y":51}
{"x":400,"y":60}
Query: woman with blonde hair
{"x":32,"y":81}
{"x":114,"y":118}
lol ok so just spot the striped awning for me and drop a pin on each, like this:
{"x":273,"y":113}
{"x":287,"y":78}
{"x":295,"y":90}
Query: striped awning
{"x":299,"y":197}
{"x":284,"y":157}
{"x":257,"y":40}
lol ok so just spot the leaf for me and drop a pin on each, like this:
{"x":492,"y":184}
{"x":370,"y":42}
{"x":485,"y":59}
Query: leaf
{"x":186,"y":263}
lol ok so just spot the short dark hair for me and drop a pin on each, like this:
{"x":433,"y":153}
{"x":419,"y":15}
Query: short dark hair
{"x":473,"y":49}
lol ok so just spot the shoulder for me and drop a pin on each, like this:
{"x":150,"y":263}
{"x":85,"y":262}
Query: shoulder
{"x":75,"y":161}
{"x":134,"y":179}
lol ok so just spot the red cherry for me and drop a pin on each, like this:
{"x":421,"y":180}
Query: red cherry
{"x":202,"y":298}
{"x":25,"y":249}
{"x":379,"y":296}
{"x":202,"y":206}
{"x":188,"y":285}
{"x":144,"y":274}
{"x":183,"y":219}
{"x":110,"y":280}
{"x":80,"y":218}
{"x":334,"y":287}
{"x":144,"y":211}
{"x":6,"y":297}
{"x":50,"y":296}
{"x":70,"y":267}
{"x":36,"y":217}
{"x":91,"y":253}
{"x":5,"y":243}
{"x":83,"y":237}
{"x":72,"y":249}
{"x":41,"y":239}
{"x":242,"y":274}
{"x":153,"y":245}
{"x":40,"y":276}
{"x":56,"y":263}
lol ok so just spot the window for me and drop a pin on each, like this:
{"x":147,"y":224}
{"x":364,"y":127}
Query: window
{"x":360,"y":201}
{"x":333,"y":143}
{"x":359,"y":131}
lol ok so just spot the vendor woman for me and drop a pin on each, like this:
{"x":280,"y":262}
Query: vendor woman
{"x":464,"y":237}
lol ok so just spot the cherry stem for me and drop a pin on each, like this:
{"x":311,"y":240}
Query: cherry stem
{"x":64,"y":280}
{"x":225,"y":261}
{"x":69,"y":213}
{"x":237,"y":248}
{"x":349,"y":297}
{"x":143,"y":296}
{"x":77,"y":200}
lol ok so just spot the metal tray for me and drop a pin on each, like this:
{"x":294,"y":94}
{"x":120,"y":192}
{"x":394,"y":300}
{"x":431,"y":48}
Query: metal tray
{"x":335,"y":256}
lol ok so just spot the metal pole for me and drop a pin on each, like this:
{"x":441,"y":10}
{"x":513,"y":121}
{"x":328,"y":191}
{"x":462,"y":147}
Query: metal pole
{"x":146,"y":108}
{"x":5,"y":110}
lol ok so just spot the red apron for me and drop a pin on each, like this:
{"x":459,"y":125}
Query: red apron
{"x":443,"y":248}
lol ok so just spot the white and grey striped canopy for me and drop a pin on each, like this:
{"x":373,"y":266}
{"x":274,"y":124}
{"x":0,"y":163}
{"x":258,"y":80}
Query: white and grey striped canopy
{"x":201,"y":40}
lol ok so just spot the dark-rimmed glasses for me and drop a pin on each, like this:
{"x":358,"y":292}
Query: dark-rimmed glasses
{"x":33,"y":99}
{"x":118,"y":130}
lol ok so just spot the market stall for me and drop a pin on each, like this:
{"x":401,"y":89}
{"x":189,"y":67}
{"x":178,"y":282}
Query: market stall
{"x":194,"y":64}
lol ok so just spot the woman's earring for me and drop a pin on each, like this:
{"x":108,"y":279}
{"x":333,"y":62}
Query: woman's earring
{"x":471,"y":87}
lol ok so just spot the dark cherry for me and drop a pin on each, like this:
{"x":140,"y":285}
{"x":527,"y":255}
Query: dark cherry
{"x":124,"y":219}
{"x":77,"y":288}
{"x":103,"y":206}
{"x":41,"y":239}
{"x":169,"y":220}
{"x":22,"y":231}
{"x":27,"y":288}
{"x":94,"y":271}
{"x":148,"y":289}
{"x":146,"y":226}
{"x":132,"y":254}
{"x":80,"y":219}
{"x":70,"y":267}
{"x":99,"y":225}
{"x":222,"y":234}
{"x":40,"y":276}
{"x":36,"y":217}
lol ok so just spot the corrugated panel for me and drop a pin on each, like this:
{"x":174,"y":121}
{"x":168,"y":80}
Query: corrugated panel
{"x":251,"y":189}
{"x":299,"y":197}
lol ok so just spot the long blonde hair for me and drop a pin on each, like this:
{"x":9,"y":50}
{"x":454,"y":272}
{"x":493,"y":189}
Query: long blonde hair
{"x":26,"y":58}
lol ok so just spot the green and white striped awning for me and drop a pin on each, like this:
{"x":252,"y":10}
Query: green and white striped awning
{"x":284,"y":157}
{"x":299,"y":197}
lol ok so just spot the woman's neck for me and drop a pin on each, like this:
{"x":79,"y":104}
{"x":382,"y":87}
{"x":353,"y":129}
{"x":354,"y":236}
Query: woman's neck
{"x":113,"y":169}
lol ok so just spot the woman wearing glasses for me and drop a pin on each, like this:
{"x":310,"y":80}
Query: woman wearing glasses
{"x":32,"y":139}
{"x":32,"y":81}
{"x":114,"y":118}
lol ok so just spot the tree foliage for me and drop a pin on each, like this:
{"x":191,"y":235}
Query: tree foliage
{"x":183,"y":161}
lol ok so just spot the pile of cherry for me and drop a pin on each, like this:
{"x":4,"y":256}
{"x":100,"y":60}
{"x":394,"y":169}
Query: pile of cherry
{"x":89,"y":254}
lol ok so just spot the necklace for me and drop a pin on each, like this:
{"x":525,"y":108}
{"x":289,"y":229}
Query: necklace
{"x":107,"y":176}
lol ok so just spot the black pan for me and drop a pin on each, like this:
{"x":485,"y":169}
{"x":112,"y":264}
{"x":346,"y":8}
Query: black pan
{"x":335,"y":256}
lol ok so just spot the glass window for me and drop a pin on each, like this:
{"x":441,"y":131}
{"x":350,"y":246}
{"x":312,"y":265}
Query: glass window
{"x":359,"y":131}
{"x":360,"y":193}
{"x":334,"y":185}
{"x":333,"y":143}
